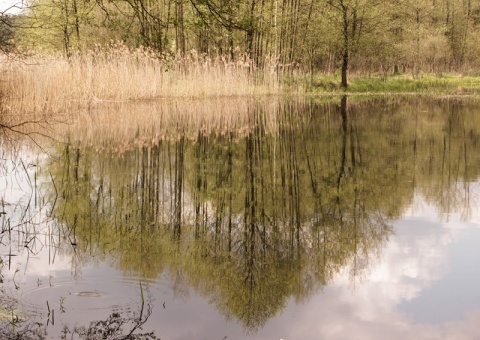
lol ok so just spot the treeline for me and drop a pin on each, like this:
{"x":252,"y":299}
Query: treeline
{"x":366,"y":36}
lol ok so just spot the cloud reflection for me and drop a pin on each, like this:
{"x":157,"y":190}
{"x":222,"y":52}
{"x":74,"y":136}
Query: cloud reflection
{"x":415,"y":291}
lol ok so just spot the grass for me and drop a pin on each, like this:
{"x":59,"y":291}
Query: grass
{"x":425,"y":84}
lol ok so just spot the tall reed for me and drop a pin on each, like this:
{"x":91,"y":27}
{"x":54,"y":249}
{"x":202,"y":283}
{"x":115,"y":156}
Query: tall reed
{"x":120,"y":73}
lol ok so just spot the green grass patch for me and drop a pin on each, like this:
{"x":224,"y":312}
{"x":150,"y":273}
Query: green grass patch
{"x":324,"y":84}
{"x":426,"y":84}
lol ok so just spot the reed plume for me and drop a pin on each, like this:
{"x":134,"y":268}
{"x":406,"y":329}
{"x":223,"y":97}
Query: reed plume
{"x":119,"y":73}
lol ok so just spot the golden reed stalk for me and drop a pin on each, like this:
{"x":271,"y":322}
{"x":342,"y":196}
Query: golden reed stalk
{"x":117,"y":73}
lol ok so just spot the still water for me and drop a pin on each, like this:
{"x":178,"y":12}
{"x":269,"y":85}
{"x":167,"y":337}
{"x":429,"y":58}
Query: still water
{"x":253,"y":219}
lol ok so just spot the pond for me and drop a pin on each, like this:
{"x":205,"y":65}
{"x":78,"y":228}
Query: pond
{"x":244,"y":219}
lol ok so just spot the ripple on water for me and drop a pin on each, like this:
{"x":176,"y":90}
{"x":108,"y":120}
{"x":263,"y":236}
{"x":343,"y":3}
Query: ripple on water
{"x":85,"y":293}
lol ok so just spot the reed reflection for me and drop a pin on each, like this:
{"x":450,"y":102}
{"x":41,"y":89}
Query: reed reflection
{"x":255,"y":217}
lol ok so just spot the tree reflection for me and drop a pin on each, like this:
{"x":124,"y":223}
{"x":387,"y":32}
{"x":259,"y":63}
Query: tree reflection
{"x":255,"y":218}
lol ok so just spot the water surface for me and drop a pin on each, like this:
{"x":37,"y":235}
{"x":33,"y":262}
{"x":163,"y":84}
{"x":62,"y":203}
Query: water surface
{"x":252,"y":219}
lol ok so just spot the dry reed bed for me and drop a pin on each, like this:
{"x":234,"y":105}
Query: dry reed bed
{"x":117,"y":73}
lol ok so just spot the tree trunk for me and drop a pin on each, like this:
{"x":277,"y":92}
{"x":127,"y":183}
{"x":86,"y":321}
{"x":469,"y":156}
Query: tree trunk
{"x":77,"y":21}
{"x":344,"y":83}
{"x":180,"y":31}
{"x":251,"y":29}
{"x":66,"y":32}
{"x":346,"y":47}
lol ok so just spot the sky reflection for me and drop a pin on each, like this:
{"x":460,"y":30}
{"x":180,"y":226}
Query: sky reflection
{"x":424,"y":287}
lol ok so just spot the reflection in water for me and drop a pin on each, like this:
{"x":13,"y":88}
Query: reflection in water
{"x":27,"y":231}
{"x":271,"y":208}
{"x":273,"y":216}
{"x":116,"y":326}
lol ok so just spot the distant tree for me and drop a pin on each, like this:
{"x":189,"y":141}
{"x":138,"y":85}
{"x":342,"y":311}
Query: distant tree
{"x":352,"y":20}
